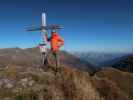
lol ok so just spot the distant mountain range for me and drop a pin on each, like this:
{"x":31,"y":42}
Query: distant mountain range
{"x":121,"y":61}
{"x":98,"y":58}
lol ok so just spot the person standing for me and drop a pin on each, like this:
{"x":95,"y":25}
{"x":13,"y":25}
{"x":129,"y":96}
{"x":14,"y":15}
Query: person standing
{"x":56,"y":42}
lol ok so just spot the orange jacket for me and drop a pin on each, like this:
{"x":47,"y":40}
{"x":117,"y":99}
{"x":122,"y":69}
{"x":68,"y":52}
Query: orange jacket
{"x":56,"y":42}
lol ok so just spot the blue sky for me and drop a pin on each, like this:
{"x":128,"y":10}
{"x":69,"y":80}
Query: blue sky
{"x":89,"y":25}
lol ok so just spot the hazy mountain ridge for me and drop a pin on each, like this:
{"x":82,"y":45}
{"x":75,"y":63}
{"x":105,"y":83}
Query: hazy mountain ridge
{"x":98,"y":58}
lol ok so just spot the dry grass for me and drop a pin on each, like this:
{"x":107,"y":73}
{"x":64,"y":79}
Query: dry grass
{"x":70,"y":84}
{"x":116,"y":81}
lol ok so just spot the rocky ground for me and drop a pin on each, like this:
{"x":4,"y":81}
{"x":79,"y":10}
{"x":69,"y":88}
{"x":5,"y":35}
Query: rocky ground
{"x":19,"y":83}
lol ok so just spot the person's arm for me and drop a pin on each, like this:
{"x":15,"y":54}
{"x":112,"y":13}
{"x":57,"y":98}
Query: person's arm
{"x":61,"y":41}
{"x":46,"y":38}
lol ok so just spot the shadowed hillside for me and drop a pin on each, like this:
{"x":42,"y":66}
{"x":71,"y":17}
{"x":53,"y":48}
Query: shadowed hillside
{"x":114,"y":84}
{"x":124,"y":64}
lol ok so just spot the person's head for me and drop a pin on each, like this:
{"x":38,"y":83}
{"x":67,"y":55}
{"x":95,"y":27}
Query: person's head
{"x":53,"y":31}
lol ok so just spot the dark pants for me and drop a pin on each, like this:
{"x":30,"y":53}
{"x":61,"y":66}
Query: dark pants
{"x":56,"y":57}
